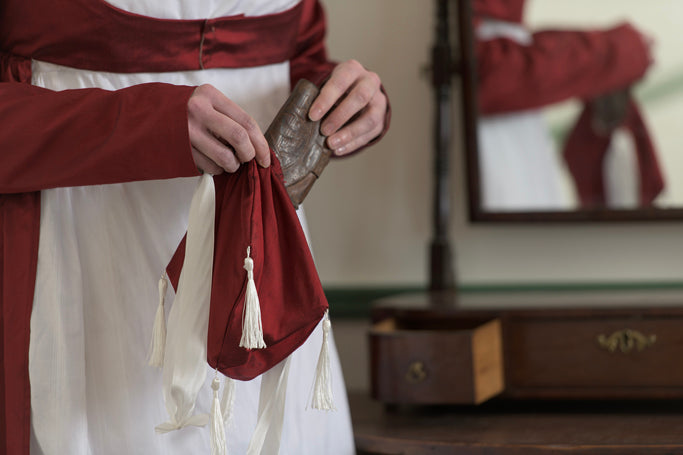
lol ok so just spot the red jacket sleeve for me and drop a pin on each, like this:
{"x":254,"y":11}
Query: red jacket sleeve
{"x":558,"y":65}
{"x":90,"y":136}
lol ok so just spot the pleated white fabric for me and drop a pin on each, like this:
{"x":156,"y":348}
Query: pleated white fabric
{"x":184,"y":371}
{"x":102,"y":249}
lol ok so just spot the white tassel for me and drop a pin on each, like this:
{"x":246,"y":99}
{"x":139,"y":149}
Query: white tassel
{"x":228,"y":400}
{"x":322,"y":390}
{"x":218,"y":445}
{"x":158,"y":342}
{"x":252,"y":331}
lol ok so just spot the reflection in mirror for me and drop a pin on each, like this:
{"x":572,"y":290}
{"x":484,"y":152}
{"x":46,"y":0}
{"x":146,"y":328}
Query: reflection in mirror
{"x":580,"y":104}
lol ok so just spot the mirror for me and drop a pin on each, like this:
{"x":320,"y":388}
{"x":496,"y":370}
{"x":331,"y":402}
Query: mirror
{"x":576,"y":107}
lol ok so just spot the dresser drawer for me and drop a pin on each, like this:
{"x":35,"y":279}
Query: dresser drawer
{"x":594,"y":357}
{"x":445,"y":362}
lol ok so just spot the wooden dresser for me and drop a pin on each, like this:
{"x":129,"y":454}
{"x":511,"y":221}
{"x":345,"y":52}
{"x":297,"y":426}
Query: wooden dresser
{"x":454,"y":350}
{"x":525,"y":374}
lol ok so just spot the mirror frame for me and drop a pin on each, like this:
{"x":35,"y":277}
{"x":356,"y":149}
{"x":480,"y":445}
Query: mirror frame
{"x":466,"y":70}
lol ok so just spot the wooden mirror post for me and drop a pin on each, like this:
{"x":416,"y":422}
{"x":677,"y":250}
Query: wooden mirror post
{"x":441,"y":273}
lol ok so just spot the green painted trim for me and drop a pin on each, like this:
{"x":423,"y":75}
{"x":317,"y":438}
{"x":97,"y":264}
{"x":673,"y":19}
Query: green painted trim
{"x":356,"y":302}
{"x":571,"y":287}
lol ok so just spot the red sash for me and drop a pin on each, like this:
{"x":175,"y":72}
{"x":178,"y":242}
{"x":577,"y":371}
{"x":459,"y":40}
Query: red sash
{"x":94,"y":35}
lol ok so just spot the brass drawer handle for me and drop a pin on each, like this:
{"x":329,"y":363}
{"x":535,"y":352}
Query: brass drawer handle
{"x":626,"y":340}
{"x":416,"y":373}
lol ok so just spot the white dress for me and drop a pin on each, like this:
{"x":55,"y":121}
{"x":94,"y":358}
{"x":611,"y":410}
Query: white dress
{"x":102,"y":249}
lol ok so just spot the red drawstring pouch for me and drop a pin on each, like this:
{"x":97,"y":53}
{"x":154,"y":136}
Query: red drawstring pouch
{"x":254,"y":213}
{"x":247,"y":297}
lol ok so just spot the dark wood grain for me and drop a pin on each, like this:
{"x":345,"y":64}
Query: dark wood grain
{"x":557,"y":354}
{"x":632,"y":428}
{"x":457,"y":364}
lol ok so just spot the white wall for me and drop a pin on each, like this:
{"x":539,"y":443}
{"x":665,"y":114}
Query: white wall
{"x":370,"y":214}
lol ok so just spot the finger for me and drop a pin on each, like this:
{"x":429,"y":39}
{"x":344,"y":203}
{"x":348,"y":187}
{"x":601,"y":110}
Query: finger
{"x":355,"y":144}
{"x":370,"y":122}
{"x":229,"y":132}
{"x":207,"y":127}
{"x":342,"y":78}
{"x":355,"y":101}
{"x":205,"y":164}
{"x":219,"y":153}
{"x":244,"y":131}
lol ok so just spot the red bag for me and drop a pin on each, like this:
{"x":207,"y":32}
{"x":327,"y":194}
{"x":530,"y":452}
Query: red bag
{"x":253,"y":210}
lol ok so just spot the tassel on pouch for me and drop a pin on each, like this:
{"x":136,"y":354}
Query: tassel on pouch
{"x":158,"y":341}
{"x":252,"y":330}
{"x":228,"y":400}
{"x":323,"y":398}
{"x":218,"y":444}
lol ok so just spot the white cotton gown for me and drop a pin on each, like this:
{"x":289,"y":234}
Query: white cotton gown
{"x":102,"y":250}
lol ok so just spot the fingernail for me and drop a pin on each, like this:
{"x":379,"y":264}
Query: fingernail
{"x":327,"y":129}
{"x":264,"y":162}
{"x":340,"y":151}
{"x":334,"y":143}
{"x":315,"y":114}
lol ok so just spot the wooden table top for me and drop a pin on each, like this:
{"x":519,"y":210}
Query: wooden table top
{"x":520,"y":428}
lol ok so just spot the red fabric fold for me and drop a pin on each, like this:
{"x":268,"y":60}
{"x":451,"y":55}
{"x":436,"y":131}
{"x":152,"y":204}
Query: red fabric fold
{"x":585,"y":152}
{"x":20,"y":223}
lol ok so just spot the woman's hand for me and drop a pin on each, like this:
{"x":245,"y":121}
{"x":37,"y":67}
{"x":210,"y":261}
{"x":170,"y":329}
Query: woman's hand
{"x":354,"y":106}
{"x":222,"y":134}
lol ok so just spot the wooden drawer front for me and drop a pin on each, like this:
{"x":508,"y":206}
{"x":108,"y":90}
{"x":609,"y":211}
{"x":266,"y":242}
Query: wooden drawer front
{"x":459,"y":366}
{"x":602,"y":353}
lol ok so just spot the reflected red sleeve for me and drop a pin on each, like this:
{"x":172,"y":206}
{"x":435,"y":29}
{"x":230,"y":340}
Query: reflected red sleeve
{"x":558,"y":65}
{"x":504,"y":10}
{"x":92,"y":136}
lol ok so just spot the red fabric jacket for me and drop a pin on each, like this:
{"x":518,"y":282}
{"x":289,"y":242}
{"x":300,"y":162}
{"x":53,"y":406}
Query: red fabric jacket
{"x":91,"y":136}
